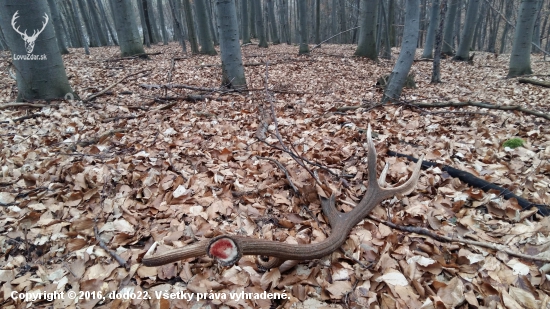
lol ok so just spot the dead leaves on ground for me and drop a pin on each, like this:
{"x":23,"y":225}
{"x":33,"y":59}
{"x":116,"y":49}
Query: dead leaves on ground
{"x":176,"y":175}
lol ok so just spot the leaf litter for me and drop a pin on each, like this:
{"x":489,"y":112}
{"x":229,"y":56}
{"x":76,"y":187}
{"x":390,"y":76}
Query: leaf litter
{"x":141,"y":174}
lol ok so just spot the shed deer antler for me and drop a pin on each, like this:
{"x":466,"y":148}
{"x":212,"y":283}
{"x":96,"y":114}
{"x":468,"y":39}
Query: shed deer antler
{"x":29,"y":40}
{"x":228,"y":249}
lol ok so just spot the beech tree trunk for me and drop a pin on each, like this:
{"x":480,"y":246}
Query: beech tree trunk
{"x":260,"y":28}
{"x":178,"y":27}
{"x":272,"y":22}
{"x":447,"y":48}
{"x":367,"y":33}
{"x":436,"y":72}
{"x":304,"y":48}
{"x":126,"y":28}
{"x":244,"y":22}
{"x":59,"y":33}
{"x":230,"y":49}
{"x":162,"y":23}
{"x":406,"y":56}
{"x":191,"y":32}
{"x":205,"y":38}
{"x":39,"y":68}
{"x":520,"y":59}
{"x":432,"y":28}
{"x":463,"y":52}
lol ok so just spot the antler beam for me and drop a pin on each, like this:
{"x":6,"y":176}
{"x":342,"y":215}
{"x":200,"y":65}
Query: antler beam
{"x":228,"y":249}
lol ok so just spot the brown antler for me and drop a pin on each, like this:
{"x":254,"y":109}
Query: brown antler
{"x":228,"y":249}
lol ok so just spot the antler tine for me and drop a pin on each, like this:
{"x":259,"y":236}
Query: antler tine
{"x":382,"y":179}
{"x":16,"y":16}
{"x":228,"y":249}
{"x":44,"y":23}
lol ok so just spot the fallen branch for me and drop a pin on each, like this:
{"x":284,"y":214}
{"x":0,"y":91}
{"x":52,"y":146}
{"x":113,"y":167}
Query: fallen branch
{"x":117,"y":118}
{"x":474,"y":181}
{"x":115,"y":256}
{"x":24,"y":118}
{"x":282,"y":168}
{"x":257,"y":64}
{"x":22,"y":104}
{"x":101,"y":137}
{"x":456,"y":104}
{"x":441,"y":238}
{"x":534,"y":82}
{"x":144,"y":55}
{"x":337,"y":34}
{"x":220,"y":90}
{"x":111,"y":86}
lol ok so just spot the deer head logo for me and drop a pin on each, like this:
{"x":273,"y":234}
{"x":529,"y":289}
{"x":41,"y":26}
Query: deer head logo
{"x":29,"y":40}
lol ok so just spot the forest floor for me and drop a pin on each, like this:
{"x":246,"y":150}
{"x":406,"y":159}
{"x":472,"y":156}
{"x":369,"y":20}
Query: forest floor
{"x":135,"y":166}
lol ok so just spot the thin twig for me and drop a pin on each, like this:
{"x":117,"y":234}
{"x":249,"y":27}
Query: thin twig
{"x":285,"y":171}
{"x":319,"y":45}
{"x":441,"y":238}
{"x":111,"y":86}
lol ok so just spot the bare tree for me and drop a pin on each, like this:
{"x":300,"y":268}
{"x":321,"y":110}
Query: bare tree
{"x":304,"y":48}
{"x":406,"y":56}
{"x":230,"y":49}
{"x":520,"y":60}
{"x":39,"y":68}
{"x":432,"y":28}
{"x":126,"y":28}
{"x":367,"y":33}
{"x":207,"y":45}
{"x":463,"y":52}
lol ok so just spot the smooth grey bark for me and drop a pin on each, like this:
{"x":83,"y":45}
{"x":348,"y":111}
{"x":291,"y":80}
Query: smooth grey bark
{"x":406,"y":55}
{"x":520,"y":59}
{"x":432,"y":27}
{"x":387,"y":45}
{"x":144,"y":28}
{"x":283,"y":17}
{"x":178,"y":28}
{"x":110,"y":28}
{"x":436,"y":71}
{"x":334,"y":20}
{"x":44,"y":77}
{"x":252,"y":18}
{"x":80,"y":27}
{"x":230,"y":49}
{"x":3,"y":44}
{"x":126,"y":28}
{"x":207,"y":45}
{"x":367,"y":33}
{"x":304,"y":48}
{"x":86,"y":21}
{"x":244,"y":22}
{"x":211,"y":14}
{"x":57,"y":24}
{"x":343,"y":22}
{"x":191,"y":31}
{"x":456,"y":28}
{"x":152,"y":22}
{"x":162,"y":23}
{"x":144,"y":6}
{"x":317,"y":22}
{"x":508,"y":14}
{"x":463,"y":52}
{"x":260,"y":28}
{"x":273,"y":22}
{"x":391,"y":21}
{"x":536,"y":30}
{"x":97,"y":25}
{"x":67,"y":11}
{"x":447,"y":48}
